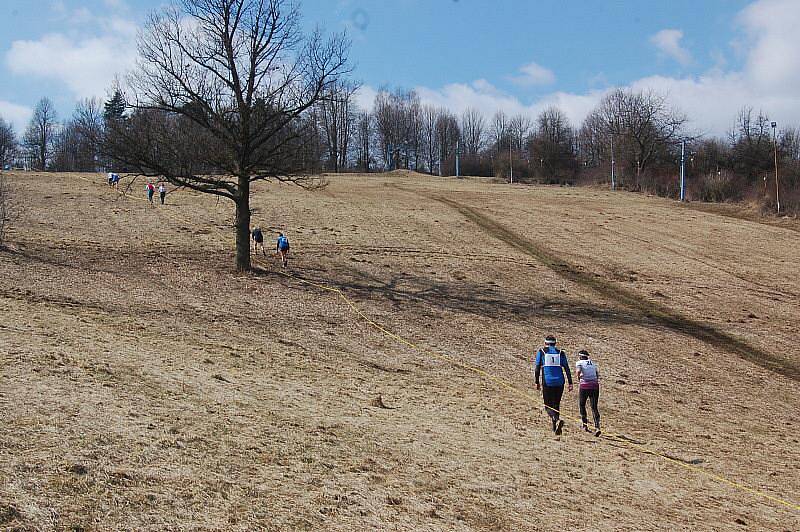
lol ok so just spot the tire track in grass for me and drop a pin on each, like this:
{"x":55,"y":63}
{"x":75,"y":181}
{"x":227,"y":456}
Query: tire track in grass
{"x":649,"y":310}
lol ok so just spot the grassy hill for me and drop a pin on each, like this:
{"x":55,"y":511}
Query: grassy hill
{"x":145,"y":385}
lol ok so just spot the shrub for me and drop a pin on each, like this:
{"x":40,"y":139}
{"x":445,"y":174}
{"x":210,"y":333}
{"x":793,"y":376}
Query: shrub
{"x":720,"y":186}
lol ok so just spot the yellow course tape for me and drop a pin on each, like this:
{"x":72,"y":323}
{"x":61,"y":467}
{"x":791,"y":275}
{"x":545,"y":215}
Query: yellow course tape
{"x":508,"y":386}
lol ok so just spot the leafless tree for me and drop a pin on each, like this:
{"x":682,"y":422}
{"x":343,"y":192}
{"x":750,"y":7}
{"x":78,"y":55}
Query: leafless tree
{"x":8,"y":143}
{"x":519,"y":127}
{"x":76,"y":145}
{"x":398,"y":126}
{"x":644,"y":126}
{"x":552,"y":147}
{"x":337,"y":118}
{"x":363,"y":139}
{"x":473,"y":130}
{"x":218,"y":94}
{"x":500,"y":131}
{"x":430,"y":140}
{"x":40,"y":135}
{"x":751,"y":142}
{"x":448,"y":133}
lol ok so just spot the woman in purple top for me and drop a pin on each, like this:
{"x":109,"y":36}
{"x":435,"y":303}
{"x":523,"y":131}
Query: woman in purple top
{"x":589,"y":388}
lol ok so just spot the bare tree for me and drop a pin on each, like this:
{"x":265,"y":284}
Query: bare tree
{"x":448,"y":133}
{"x":75,"y":147}
{"x":473,"y":126}
{"x":8,"y":143}
{"x":500,"y":131}
{"x":40,"y":135}
{"x":398,"y":125}
{"x":363,"y":138}
{"x":218,"y":94}
{"x":552,"y":147}
{"x":336,"y":119}
{"x":430,"y":140}
{"x":644,"y":127}
{"x":751,"y":141}
{"x":519,"y":127}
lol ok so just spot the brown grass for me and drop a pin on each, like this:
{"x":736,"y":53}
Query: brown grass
{"x":147,"y":386}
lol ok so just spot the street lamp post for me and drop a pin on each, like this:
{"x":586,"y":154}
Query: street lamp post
{"x":683,"y":170}
{"x":777,"y":186}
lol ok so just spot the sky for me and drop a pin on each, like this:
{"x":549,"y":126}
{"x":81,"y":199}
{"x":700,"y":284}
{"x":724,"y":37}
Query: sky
{"x":709,"y":57}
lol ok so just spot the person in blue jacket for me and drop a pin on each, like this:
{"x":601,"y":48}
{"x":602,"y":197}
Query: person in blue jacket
{"x":552,"y":364}
{"x":282,"y":248}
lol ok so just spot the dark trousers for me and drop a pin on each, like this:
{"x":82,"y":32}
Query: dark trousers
{"x":163,"y":195}
{"x":593,"y":396}
{"x":552,"y":401}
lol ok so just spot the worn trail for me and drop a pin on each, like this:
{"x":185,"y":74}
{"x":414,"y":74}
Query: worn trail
{"x":653,"y":312}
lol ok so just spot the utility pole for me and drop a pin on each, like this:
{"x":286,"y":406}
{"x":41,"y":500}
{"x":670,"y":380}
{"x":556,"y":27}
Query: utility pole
{"x":683,"y":170}
{"x":777,"y":187}
{"x":511,"y":162}
{"x":613,"y":177}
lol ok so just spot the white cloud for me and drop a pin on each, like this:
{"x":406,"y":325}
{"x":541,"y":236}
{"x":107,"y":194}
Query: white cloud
{"x":365,"y":97}
{"x":668,"y":43}
{"x":18,"y":115}
{"x":534,"y":74}
{"x":768,"y":80}
{"x":773,"y":58}
{"x":86,"y":57}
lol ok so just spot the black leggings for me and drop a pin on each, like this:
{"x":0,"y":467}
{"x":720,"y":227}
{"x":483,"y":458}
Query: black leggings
{"x":552,"y":401}
{"x":593,"y":396}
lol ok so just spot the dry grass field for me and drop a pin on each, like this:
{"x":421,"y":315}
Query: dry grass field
{"x":145,"y":385}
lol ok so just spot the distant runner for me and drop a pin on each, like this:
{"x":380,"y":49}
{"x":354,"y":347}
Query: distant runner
{"x":258,"y":240}
{"x":588,"y":388}
{"x":151,"y":189}
{"x":115,"y":180}
{"x":282,"y":247}
{"x":552,"y":363}
{"x":162,"y":192}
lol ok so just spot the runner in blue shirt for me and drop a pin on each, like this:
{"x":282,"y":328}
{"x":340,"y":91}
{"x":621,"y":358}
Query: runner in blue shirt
{"x":552,"y":364}
{"x":282,"y":247}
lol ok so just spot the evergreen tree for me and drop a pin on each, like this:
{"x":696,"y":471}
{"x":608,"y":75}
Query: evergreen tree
{"x":114,"y":109}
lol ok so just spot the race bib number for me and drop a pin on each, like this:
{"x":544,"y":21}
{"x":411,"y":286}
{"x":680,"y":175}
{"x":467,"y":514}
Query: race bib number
{"x":552,"y":359}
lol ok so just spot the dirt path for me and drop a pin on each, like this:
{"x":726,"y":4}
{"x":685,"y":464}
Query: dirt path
{"x":656,"y":314}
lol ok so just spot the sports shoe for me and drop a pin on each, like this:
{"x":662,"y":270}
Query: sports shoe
{"x":559,"y":426}
{"x":585,"y":427}
{"x":597,"y":432}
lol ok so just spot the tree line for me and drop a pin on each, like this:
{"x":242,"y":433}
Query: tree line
{"x":640,"y":131}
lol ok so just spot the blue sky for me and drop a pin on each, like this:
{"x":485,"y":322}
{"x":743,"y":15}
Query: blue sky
{"x":710,"y":57}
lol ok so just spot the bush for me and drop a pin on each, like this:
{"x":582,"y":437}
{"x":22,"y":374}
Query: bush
{"x":720,"y":186}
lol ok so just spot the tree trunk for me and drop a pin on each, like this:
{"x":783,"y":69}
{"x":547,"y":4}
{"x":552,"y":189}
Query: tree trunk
{"x":243,"y":226}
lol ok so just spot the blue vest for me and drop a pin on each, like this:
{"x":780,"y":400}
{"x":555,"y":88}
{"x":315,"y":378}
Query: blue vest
{"x":552,"y":360}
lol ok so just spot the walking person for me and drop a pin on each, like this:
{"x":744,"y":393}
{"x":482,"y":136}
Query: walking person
{"x":282,"y":247}
{"x":151,"y":189}
{"x":588,"y":388}
{"x":162,"y":192}
{"x":552,"y":364}
{"x":258,"y":240}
